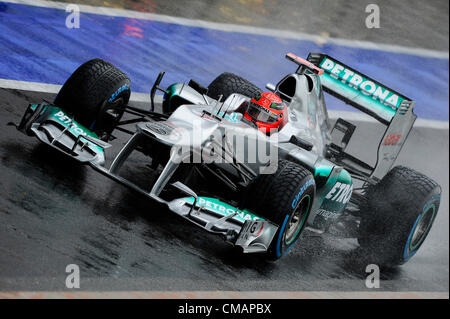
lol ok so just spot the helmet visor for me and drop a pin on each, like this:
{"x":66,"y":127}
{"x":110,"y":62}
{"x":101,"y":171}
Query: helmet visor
{"x":261,"y":114}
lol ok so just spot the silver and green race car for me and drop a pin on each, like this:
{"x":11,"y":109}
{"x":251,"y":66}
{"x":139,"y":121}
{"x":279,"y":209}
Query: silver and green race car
{"x":257,"y":191}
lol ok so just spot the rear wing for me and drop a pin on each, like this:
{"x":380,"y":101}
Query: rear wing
{"x":388,"y":106}
{"x":357,"y":89}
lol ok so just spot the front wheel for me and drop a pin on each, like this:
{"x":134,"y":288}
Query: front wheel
{"x":285,"y":198}
{"x":228,"y":83}
{"x":95,"y":95}
{"x":398,"y":216}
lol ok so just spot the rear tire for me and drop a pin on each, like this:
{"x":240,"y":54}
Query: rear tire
{"x":285,"y":198}
{"x":398,"y":216}
{"x":95,"y":94}
{"x":229,"y":83}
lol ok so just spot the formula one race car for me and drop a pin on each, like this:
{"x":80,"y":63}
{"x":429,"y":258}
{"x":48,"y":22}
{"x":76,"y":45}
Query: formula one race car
{"x":213,"y":165}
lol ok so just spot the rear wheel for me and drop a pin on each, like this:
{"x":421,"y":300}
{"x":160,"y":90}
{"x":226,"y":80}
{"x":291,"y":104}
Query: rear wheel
{"x":285,"y":198}
{"x":398,"y":216}
{"x":95,"y":94}
{"x":229,"y":83}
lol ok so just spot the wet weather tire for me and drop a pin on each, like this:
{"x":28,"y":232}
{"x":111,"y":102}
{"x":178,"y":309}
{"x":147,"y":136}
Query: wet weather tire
{"x":398,"y":216}
{"x":229,"y":83}
{"x":95,"y":94}
{"x":285,"y":198}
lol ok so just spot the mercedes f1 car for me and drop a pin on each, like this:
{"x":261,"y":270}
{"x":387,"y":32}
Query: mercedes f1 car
{"x":258,"y":191}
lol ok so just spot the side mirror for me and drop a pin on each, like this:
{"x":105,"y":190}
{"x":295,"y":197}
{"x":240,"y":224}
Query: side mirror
{"x":154,"y":88}
{"x":270,"y":87}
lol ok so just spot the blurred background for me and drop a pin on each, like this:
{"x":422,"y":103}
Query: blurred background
{"x":410,"y":23}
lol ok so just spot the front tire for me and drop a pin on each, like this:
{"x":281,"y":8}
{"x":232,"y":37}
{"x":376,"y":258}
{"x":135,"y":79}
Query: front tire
{"x":228,"y":83}
{"x":95,"y":94}
{"x":285,"y":198}
{"x":398,"y":216}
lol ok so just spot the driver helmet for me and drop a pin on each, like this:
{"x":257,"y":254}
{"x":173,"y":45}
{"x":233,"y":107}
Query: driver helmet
{"x":268,"y":112}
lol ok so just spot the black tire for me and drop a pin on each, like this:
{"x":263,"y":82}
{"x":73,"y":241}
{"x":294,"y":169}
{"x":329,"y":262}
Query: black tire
{"x":403,"y":202}
{"x":95,"y":94}
{"x":280,"y":197}
{"x":229,"y":83}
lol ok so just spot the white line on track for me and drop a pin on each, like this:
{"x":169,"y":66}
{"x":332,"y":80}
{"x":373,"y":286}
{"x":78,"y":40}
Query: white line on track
{"x":238,"y":28}
{"x":145,"y":97}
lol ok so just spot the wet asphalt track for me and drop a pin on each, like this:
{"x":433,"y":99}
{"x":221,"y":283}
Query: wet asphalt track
{"x":54,"y":212}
